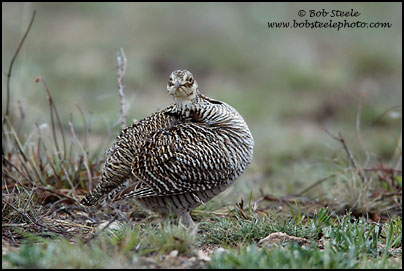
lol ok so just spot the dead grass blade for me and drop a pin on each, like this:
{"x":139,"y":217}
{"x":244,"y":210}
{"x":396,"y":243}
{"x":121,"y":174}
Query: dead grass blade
{"x":10,"y":67}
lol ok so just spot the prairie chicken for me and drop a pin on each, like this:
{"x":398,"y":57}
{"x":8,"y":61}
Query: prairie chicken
{"x":180,"y":157}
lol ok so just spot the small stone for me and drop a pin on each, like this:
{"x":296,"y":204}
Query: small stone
{"x":173,"y":254}
{"x":280,"y":238}
{"x":202,"y":256}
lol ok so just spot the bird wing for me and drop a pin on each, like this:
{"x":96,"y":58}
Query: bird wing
{"x":184,"y":158}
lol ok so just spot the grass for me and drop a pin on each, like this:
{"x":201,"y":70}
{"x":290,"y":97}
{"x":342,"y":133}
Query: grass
{"x":35,"y":236}
{"x":293,"y":256}
{"x":345,"y":243}
{"x":339,"y":195}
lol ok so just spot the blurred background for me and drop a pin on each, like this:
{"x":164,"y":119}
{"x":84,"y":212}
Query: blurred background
{"x":288,"y":84}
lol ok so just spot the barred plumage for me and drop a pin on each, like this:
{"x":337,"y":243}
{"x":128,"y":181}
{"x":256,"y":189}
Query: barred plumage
{"x":179,"y":157}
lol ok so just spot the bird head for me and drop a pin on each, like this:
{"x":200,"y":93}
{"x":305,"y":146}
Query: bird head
{"x":182,"y":85}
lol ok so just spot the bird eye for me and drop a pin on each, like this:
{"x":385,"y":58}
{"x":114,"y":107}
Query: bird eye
{"x":171,"y":79}
{"x":190,"y":79}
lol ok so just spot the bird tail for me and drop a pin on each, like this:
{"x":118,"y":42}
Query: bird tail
{"x":92,"y":198}
{"x":100,"y":197}
{"x":137,"y":190}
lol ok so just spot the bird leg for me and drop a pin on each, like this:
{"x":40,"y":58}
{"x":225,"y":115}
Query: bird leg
{"x":188,"y":219}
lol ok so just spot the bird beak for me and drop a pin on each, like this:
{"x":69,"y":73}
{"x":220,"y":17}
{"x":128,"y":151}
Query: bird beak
{"x":176,"y":84}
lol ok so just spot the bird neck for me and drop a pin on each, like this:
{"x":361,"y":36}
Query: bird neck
{"x":187,"y":103}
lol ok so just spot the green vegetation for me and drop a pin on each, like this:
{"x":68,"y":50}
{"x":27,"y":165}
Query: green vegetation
{"x":324,"y":107}
{"x":340,"y":242}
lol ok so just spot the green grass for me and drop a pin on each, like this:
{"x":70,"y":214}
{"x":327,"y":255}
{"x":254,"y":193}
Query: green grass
{"x":293,"y":256}
{"x":346,"y":243}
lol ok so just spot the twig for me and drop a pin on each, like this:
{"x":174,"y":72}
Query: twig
{"x":315,"y":184}
{"x":48,"y":155}
{"x":386,"y":170}
{"x":18,"y":211}
{"x":56,"y":193}
{"x":341,"y":139}
{"x":84,"y":156}
{"x":4,"y":159}
{"x":22,"y":116}
{"x":25,"y":162}
{"x":8,"y":176}
{"x":21,"y":213}
{"x":30,"y":219}
{"x":38,"y":146}
{"x":68,"y":179}
{"x":350,"y":156}
{"x":121,"y":65}
{"x":53,"y":108}
{"x":10,"y":68}
{"x":85,"y":125}
{"x":358,"y":131}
